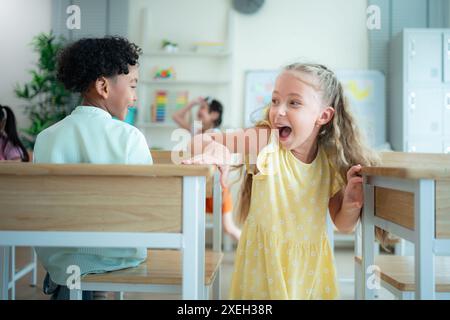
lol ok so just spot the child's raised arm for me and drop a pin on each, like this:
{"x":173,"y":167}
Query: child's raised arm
{"x":180,"y":116}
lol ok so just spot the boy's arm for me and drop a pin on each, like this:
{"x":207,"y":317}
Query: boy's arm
{"x":345,"y":206}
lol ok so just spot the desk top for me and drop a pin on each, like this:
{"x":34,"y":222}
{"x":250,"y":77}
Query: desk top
{"x":408,"y":173}
{"x":157,"y":170}
{"x":412,"y":166}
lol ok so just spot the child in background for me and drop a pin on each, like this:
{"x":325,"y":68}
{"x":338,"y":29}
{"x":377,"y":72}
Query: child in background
{"x":105,"y":72}
{"x":210,"y":117}
{"x":11,"y":148}
{"x":308,"y":158}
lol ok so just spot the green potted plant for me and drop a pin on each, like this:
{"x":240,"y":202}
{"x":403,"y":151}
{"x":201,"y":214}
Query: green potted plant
{"x":47,"y":101}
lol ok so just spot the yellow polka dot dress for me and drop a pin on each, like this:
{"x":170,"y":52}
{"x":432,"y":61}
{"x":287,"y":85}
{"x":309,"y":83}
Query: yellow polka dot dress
{"x":284,"y":251}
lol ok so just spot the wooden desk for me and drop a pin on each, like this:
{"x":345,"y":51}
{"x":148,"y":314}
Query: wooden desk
{"x":116,"y":206}
{"x":409,"y":196}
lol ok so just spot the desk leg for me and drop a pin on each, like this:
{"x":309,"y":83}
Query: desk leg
{"x":193,"y":238}
{"x":369,"y":278}
{"x":424,"y":214}
{"x":4,"y":272}
{"x":358,"y":273}
{"x":216,"y":285}
{"x":217,"y":214}
{"x":34,"y":272}
{"x":217,"y":231}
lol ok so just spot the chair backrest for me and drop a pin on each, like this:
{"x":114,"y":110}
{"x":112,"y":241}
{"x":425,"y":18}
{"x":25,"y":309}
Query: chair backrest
{"x":88,"y":197}
{"x":165,"y":157}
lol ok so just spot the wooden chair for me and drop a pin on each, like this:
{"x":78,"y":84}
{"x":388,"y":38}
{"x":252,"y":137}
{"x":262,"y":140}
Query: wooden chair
{"x":162,"y":272}
{"x":31,"y":267}
{"x":165,"y":157}
{"x":397,"y":275}
{"x":86,"y":205}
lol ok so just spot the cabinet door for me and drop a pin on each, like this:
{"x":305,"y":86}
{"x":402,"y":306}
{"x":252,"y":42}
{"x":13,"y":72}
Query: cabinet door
{"x":446,"y":102}
{"x":447,"y":57}
{"x":424,"y":112}
{"x":424,"y":57}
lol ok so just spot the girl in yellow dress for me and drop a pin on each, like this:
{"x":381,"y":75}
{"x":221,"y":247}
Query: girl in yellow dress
{"x":308,"y":158}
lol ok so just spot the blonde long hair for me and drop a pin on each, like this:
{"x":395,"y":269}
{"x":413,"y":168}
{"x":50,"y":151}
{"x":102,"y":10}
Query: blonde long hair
{"x":340,"y":138}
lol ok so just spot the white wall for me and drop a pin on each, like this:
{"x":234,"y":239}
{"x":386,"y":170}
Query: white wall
{"x":331,"y":32}
{"x":20,"y":21}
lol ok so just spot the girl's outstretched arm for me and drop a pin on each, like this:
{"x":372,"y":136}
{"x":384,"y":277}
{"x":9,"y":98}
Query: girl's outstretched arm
{"x":216,"y":148}
{"x":345,"y":206}
{"x":247,"y":142}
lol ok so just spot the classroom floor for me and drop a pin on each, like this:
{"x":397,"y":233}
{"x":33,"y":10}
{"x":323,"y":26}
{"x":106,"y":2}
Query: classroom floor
{"x":344,"y":261}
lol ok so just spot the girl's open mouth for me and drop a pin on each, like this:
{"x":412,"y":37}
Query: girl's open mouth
{"x":285,"y":132}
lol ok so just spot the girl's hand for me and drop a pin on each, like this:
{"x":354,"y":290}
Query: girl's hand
{"x":214,"y":153}
{"x":353,"y":194}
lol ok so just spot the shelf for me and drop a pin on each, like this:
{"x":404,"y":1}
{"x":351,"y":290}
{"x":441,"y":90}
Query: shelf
{"x":185,"y":82}
{"x":148,"y":125}
{"x":187,"y":54}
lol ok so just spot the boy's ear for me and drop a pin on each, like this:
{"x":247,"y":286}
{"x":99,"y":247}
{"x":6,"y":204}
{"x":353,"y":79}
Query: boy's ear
{"x":325,"y":116}
{"x":102,"y":87}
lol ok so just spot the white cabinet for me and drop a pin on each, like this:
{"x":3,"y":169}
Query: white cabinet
{"x":446,"y":55}
{"x":424,"y":112}
{"x":424,"y":57}
{"x":446,"y":101}
{"x":419,"y":95}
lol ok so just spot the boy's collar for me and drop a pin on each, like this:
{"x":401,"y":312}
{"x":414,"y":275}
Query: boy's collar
{"x":92,"y":110}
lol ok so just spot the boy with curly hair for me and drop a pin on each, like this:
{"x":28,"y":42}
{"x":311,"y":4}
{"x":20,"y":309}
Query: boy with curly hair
{"x":105,"y":72}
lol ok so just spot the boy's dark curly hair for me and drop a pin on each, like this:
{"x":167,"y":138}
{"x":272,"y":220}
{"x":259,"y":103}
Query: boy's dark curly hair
{"x":86,"y":60}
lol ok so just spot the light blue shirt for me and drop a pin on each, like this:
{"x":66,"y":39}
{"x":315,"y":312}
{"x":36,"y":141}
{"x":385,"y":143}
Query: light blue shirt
{"x":90,"y":135}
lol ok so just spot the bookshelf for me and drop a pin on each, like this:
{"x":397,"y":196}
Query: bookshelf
{"x":200,"y":73}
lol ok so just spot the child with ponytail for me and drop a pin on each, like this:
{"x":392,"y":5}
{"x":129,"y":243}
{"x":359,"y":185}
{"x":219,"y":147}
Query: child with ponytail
{"x":309,"y":154}
{"x":11,"y":148}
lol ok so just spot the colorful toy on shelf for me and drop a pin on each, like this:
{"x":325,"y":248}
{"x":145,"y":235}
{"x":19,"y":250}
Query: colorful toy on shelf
{"x":168,"y":73}
{"x":182,"y":99}
{"x":166,"y":103}
{"x":159,"y":107}
{"x":131,"y":116}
